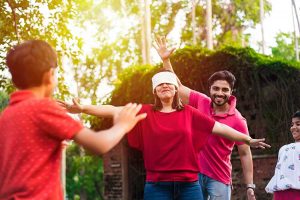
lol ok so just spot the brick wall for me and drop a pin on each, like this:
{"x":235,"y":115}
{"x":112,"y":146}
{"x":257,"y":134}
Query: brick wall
{"x":264,"y":166}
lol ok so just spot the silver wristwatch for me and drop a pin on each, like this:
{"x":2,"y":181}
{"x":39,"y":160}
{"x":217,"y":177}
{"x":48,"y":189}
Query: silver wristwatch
{"x":250,"y":185}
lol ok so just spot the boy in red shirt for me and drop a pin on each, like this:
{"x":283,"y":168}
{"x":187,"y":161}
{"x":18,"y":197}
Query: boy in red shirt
{"x":33,"y":127}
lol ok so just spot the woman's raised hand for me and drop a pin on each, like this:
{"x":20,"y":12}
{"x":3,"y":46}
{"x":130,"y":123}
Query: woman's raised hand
{"x":71,"y":108}
{"x":161,"y":48}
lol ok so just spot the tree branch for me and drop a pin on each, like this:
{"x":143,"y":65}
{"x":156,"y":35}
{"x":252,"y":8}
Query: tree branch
{"x":15,"y":19}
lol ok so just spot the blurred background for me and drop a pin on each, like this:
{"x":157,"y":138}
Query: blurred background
{"x":102,"y":44}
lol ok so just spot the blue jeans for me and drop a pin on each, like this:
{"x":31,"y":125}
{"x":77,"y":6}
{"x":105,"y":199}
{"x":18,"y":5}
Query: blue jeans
{"x":172,"y":191}
{"x":214,"y":190}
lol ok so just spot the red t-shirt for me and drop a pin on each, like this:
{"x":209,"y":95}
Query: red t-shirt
{"x":31,"y":135}
{"x":170,"y":143}
{"x":215,"y":156}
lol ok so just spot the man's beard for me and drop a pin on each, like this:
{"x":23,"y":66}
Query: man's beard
{"x":224,"y":97}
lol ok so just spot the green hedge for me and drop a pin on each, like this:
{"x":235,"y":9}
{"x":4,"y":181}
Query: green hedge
{"x":84,"y":174}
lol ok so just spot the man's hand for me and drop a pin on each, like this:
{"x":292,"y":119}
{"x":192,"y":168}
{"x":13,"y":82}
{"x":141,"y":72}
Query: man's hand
{"x":127,"y":118}
{"x":250,"y":194}
{"x":161,"y":48}
{"x":71,"y":108}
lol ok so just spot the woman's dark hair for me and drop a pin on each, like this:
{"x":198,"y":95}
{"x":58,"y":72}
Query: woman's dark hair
{"x":27,"y":62}
{"x":222,"y":75}
{"x":296,"y":114}
{"x":176,"y":104}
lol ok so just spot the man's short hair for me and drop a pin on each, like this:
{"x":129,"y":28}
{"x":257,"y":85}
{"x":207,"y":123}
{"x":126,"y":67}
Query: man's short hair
{"x":27,"y":62}
{"x":222,"y":75}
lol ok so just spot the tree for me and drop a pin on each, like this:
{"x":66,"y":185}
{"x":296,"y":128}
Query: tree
{"x":230,"y":18}
{"x":3,"y":100}
{"x":84,"y":175}
{"x":46,"y":20}
{"x":285,"y":46}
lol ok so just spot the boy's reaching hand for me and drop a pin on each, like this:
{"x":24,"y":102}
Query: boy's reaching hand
{"x":127,"y":118}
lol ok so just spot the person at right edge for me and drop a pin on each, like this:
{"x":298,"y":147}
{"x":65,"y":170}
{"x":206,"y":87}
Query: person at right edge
{"x":215,"y":171}
{"x":285,"y":184}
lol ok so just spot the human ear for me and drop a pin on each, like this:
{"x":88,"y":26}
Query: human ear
{"x":48,"y":77}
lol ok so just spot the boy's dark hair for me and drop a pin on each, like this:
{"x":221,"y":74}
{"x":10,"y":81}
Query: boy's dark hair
{"x":27,"y":62}
{"x":222,"y":75}
{"x":176,"y":104}
{"x":296,"y":114}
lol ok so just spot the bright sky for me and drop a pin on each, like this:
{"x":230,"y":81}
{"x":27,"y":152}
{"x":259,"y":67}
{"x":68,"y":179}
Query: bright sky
{"x":280,"y":20}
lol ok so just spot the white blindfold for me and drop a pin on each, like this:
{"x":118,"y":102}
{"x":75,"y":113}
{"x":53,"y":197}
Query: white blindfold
{"x":164,"y":77}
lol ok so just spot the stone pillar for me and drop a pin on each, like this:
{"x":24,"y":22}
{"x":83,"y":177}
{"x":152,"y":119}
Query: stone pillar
{"x":116,"y":173}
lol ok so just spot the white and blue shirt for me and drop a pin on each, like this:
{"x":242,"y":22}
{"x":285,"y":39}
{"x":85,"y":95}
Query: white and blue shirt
{"x":287,"y":171}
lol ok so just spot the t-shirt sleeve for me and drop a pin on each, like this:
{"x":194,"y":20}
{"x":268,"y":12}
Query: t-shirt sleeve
{"x":135,"y":137}
{"x":197,"y":98}
{"x":242,"y":127}
{"x":54,"y":121}
{"x":202,"y":128}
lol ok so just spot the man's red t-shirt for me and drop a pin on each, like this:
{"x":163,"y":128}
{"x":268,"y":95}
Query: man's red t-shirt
{"x":215,"y":156}
{"x":31,"y":135}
